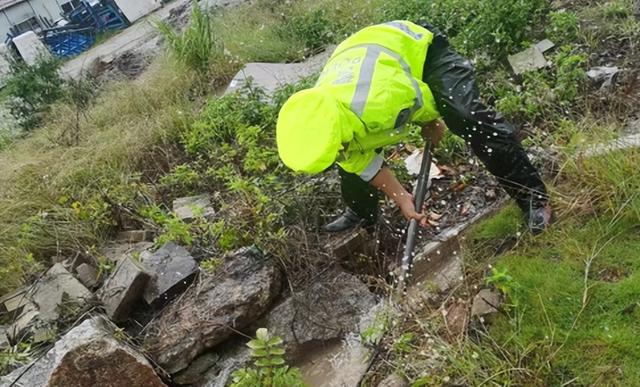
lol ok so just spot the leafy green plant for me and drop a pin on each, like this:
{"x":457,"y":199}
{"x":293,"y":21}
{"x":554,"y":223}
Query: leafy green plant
{"x":211,"y":265}
{"x":564,"y":27}
{"x":501,"y":280}
{"x":173,"y":229}
{"x":270,"y":367}
{"x":570,"y":74}
{"x":14,"y":356}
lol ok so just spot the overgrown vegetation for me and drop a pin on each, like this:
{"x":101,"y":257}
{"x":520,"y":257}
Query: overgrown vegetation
{"x":99,"y":162}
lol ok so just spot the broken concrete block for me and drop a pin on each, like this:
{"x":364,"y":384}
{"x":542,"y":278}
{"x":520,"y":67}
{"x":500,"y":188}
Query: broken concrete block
{"x":172,"y":269}
{"x":135,"y":236}
{"x":123,"y":289}
{"x":57,"y":287}
{"x":527,"y":60}
{"x":349,"y":244}
{"x":189,"y":208}
{"x":88,"y":275}
{"x":485,"y":302}
{"x":87,"y":356}
{"x":114,"y":252}
{"x":545,"y":45}
{"x":209,"y":313}
{"x":13,"y":301}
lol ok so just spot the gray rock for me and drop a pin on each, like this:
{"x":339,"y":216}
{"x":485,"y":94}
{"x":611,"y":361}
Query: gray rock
{"x":213,"y":309}
{"x":485,"y":302}
{"x":197,"y":370}
{"x":604,"y":74}
{"x":329,"y":309}
{"x":527,"y":60}
{"x":231,"y":359}
{"x":88,"y":275}
{"x":189,"y":208}
{"x":123,"y":289}
{"x":172,"y":269}
{"x":394,"y":380}
{"x":87,"y":356}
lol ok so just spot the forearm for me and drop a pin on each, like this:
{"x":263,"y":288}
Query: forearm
{"x":387,"y":182}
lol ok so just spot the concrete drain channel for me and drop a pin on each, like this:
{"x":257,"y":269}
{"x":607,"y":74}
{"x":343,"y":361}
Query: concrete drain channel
{"x":438,"y":263}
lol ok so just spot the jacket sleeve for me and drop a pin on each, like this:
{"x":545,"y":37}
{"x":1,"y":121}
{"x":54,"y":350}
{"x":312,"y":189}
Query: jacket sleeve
{"x":364,"y":164}
{"x":428,"y":111}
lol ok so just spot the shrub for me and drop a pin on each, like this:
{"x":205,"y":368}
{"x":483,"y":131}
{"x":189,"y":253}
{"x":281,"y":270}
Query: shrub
{"x":312,"y":28}
{"x":31,"y":88}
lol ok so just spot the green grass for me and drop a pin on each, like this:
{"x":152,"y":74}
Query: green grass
{"x":572,"y":300}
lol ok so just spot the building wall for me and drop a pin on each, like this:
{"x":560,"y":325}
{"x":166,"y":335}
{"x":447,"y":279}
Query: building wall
{"x":18,"y":13}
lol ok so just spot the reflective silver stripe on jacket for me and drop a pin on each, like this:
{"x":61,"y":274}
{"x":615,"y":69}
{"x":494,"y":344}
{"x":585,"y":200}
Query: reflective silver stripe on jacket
{"x":373,"y":168}
{"x":404,"y":28}
{"x":365,"y":79}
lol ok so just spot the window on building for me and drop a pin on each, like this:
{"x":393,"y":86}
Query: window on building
{"x":30,"y":24}
{"x":70,"y":6}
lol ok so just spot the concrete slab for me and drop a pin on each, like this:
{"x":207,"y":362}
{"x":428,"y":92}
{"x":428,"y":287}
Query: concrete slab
{"x":30,"y":47}
{"x":545,"y":45}
{"x":14,"y":300}
{"x":527,"y":60}
{"x":189,"y":208}
{"x":58,"y":286}
{"x":272,"y":76}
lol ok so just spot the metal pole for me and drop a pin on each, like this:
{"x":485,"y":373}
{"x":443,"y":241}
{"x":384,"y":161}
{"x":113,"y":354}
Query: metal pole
{"x":412,"y":231}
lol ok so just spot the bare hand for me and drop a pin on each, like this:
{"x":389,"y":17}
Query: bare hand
{"x":408,"y":210}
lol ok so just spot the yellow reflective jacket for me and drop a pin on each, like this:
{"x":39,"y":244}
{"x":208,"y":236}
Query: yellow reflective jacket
{"x":370,"y":88}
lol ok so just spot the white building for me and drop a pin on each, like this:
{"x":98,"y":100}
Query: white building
{"x":27,"y":15}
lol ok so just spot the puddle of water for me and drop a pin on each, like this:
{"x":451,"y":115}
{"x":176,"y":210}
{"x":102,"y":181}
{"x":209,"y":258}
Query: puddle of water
{"x":338,"y":363}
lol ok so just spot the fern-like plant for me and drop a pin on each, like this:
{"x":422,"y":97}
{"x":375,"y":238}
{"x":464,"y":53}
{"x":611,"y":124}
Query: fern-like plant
{"x":270,"y":369}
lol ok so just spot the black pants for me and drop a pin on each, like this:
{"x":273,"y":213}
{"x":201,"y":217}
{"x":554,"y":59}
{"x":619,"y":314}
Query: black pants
{"x":493,"y":140}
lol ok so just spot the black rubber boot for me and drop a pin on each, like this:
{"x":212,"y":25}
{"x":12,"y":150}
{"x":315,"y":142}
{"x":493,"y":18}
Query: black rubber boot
{"x":348,"y":220}
{"x":539,"y":219}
